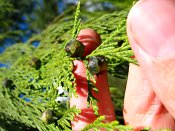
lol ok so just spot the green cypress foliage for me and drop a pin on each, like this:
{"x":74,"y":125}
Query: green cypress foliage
{"x":29,"y":86}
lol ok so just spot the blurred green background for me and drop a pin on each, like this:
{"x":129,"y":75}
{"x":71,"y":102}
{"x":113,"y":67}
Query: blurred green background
{"x":22,"y":19}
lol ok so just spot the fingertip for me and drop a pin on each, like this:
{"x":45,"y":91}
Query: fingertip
{"x":150,"y":23}
{"x":90,"y":39}
{"x":89,"y":32}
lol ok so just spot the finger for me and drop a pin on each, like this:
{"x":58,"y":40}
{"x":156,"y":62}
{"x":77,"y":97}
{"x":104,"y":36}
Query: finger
{"x":104,"y":103}
{"x":91,"y":40}
{"x":80,"y":101}
{"x":151,"y":33}
{"x":142,"y":108}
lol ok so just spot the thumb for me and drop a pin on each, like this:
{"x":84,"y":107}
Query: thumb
{"x":151,"y":33}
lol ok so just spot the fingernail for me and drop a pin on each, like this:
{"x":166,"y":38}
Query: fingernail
{"x":152,"y":25}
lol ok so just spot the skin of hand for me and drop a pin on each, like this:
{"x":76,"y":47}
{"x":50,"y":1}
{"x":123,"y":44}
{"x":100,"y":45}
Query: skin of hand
{"x":91,"y":40}
{"x":150,"y":93}
{"x":142,"y":108}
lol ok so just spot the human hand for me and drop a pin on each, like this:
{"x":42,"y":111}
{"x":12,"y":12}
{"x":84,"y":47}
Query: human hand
{"x":90,"y":39}
{"x":150,"y":93}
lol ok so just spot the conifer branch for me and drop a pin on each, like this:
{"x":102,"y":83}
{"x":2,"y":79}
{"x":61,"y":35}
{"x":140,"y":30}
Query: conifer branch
{"x":77,"y":20}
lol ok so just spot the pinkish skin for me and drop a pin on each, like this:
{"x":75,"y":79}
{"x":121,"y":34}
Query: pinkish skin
{"x":91,"y":40}
{"x":142,"y":108}
{"x":149,"y":97}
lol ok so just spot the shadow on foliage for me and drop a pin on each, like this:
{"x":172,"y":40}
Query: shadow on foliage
{"x":8,"y":124}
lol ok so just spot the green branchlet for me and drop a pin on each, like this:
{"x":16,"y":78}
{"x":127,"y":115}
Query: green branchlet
{"x":35,"y":88}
